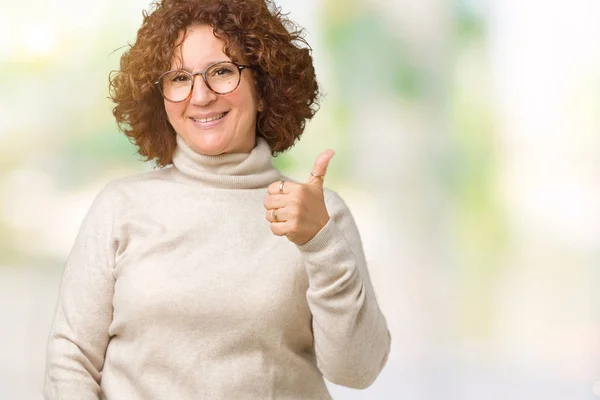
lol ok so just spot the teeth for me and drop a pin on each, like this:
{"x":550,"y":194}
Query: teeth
{"x":218,"y":116}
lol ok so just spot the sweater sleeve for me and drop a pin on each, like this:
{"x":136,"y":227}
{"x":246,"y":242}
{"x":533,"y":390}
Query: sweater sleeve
{"x":79,"y":334}
{"x":351,"y":337}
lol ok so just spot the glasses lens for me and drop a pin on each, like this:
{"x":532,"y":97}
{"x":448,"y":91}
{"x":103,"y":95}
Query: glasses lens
{"x":223,"y":77}
{"x":176,"y":85}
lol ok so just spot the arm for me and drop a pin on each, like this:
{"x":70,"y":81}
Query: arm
{"x":79,"y":334}
{"x":351,"y":337}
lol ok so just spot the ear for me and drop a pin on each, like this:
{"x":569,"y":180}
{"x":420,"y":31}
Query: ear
{"x":261,"y":105}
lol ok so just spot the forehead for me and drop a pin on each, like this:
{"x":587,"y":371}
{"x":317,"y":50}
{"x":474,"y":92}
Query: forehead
{"x":198,"y":48}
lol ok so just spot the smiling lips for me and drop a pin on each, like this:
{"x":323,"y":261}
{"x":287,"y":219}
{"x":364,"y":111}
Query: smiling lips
{"x":209,"y":119}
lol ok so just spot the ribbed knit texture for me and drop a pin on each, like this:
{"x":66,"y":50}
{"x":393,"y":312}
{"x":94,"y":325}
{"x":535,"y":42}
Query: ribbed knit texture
{"x":176,"y":289}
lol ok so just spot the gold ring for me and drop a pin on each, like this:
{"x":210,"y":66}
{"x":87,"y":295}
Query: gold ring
{"x":317,"y":176}
{"x":274,"y":215}
{"x":281,"y":187}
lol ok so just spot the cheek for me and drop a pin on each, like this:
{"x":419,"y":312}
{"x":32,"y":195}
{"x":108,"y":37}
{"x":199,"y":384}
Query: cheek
{"x":244,"y":98}
{"x":246,"y":102}
{"x":173,"y":110}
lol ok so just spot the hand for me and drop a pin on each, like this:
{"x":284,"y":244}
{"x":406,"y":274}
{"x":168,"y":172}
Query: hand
{"x":300,"y":211}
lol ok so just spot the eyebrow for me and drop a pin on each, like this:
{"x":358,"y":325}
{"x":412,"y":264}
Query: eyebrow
{"x":186,"y":68}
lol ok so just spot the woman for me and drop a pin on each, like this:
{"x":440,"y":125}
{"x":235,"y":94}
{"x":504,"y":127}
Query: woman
{"x":177,"y":287}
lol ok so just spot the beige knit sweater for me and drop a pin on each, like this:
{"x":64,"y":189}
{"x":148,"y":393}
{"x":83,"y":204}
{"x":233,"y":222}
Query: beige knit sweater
{"x":177,"y":289}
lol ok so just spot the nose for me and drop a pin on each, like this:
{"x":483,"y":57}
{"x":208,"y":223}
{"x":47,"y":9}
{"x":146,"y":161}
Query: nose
{"x":201,"y":94}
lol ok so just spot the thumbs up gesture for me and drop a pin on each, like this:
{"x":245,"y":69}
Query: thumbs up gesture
{"x":296,"y":210}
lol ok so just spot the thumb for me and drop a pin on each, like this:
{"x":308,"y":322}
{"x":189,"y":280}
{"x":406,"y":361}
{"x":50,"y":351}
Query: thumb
{"x":320,"y":168}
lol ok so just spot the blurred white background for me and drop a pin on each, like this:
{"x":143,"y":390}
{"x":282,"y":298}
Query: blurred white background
{"x":468,"y":147}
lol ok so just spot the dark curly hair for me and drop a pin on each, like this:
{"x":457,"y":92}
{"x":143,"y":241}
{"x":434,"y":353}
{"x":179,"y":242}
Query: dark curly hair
{"x":256,"y":30}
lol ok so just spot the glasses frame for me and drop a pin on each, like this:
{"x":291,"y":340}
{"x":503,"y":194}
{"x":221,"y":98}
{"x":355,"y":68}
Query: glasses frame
{"x":240,"y":68}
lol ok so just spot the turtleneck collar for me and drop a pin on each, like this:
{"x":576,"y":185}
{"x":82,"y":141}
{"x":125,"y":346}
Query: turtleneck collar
{"x":226,"y":171}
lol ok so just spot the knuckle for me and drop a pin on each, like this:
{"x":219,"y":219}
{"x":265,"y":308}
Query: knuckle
{"x":297,"y":211}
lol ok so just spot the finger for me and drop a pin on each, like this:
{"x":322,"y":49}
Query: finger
{"x":275,"y":201}
{"x":287,"y":187}
{"x":281,"y":214}
{"x":279,"y":229}
{"x":320,"y":168}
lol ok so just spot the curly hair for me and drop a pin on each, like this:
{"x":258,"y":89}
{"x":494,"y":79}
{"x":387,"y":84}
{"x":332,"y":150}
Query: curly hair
{"x":256,"y":30}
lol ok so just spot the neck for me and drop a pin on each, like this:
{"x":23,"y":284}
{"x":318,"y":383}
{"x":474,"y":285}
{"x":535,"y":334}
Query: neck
{"x":225,"y":171}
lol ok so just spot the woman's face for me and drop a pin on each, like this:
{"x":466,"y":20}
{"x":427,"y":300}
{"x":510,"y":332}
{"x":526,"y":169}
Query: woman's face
{"x":213,"y":124}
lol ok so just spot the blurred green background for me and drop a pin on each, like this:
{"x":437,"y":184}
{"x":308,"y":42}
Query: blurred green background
{"x":467,"y":137}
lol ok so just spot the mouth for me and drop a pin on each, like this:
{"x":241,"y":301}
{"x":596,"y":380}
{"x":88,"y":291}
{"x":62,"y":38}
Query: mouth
{"x":215,"y":117}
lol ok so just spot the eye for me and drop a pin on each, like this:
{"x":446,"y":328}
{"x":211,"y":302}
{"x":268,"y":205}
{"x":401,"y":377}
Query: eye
{"x":222,"y":71}
{"x":180,"y":77}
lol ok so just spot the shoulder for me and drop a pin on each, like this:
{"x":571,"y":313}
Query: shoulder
{"x":333,"y":200}
{"x":140,"y":185}
{"x":122,"y":190}
{"x":143,"y":178}
{"x":341,"y":216}
{"x":330,"y":194}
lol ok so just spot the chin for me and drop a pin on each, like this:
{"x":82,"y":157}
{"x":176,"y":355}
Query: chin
{"x":210,"y":144}
{"x":214,"y":142}
{"x":210,"y":150}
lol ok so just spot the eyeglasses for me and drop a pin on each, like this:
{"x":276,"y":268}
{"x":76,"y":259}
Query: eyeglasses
{"x":221,"y":78}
